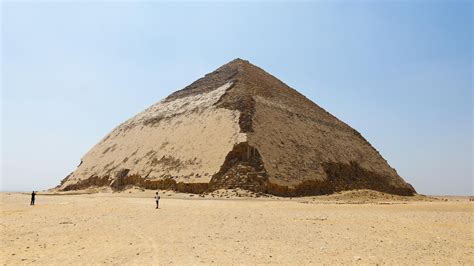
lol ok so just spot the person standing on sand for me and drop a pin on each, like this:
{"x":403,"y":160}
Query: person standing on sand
{"x":157,"y":199}
{"x":33,"y":195}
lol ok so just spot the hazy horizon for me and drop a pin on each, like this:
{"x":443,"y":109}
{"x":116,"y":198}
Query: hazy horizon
{"x":400,"y":73}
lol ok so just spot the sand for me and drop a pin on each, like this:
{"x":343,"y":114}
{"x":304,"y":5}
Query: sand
{"x":126,"y":228}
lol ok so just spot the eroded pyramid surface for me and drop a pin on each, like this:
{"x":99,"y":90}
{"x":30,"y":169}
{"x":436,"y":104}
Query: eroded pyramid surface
{"x":236,"y":127}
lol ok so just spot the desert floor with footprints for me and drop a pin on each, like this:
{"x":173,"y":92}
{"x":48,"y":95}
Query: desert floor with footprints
{"x":234,"y":226}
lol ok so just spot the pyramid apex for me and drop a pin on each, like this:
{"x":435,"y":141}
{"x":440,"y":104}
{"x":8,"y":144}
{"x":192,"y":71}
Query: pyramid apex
{"x":240,"y":60}
{"x":237,"y":62}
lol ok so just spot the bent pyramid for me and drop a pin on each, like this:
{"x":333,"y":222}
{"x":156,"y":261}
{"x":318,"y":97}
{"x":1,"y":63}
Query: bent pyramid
{"x":236,"y":127}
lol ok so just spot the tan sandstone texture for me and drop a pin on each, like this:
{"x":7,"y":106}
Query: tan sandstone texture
{"x":237,"y":127}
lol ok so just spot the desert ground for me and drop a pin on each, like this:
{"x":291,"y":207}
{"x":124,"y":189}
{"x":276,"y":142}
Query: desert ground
{"x":235,"y":227}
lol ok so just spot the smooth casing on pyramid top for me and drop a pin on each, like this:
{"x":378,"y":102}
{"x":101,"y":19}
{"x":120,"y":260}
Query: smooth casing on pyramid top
{"x":236,"y":127}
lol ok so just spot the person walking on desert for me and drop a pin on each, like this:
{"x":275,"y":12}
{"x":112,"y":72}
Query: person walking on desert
{"x":33,"y":195}
{"x":157,"y":199}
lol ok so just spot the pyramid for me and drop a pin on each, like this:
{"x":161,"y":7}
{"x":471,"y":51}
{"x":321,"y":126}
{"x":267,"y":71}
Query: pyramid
{"x":236,"y":127}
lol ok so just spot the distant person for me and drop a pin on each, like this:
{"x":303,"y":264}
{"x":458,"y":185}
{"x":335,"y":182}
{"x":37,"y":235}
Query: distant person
{"x":157,"y":199}
{"x":33,"y":195}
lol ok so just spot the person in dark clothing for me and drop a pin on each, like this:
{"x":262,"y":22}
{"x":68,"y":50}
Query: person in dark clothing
{"x":33,"y":195}
{"x":157,"y":199}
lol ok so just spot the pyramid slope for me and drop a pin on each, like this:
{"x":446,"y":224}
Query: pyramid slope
{"x":237,"y":127}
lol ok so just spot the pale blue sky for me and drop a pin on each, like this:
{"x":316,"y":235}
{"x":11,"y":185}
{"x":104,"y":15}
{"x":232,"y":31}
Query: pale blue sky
{"x":399,"y":72}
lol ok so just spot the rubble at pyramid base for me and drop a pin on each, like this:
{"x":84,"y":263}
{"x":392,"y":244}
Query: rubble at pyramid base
{"x":244,"y":169}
